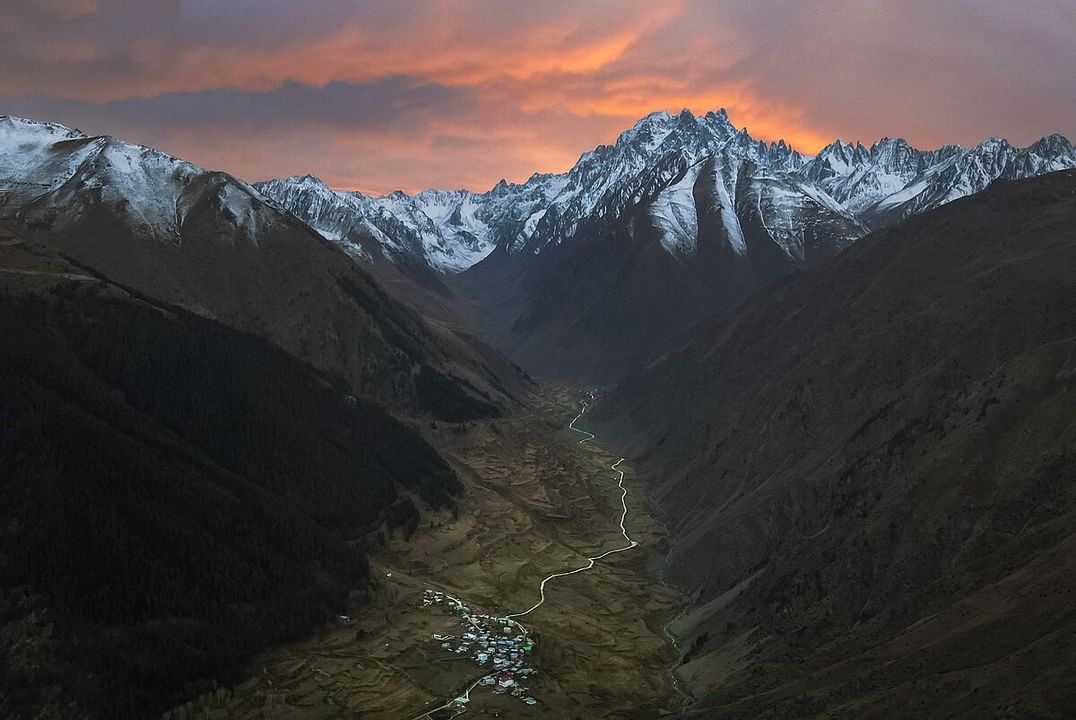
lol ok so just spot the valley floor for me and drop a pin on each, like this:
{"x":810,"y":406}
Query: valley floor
{"x":536,"y":502}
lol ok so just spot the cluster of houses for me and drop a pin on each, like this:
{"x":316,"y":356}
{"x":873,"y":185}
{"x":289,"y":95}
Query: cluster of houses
{"x":498,"y":644}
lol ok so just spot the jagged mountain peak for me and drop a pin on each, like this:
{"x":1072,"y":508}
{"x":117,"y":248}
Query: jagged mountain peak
{"x":647,"y":133}
{"x":661,"y":127}
{"x":306,"y":182}
{"x":838,"y":149}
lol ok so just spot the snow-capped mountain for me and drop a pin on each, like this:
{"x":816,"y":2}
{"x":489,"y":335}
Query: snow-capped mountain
{"x":644,"y":162}
{"x":212,"y":244}
{"x":52,"y":176}
{"x":845,"y":191}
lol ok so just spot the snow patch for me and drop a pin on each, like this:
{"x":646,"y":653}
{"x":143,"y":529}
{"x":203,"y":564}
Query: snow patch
{"x":673,"y":213}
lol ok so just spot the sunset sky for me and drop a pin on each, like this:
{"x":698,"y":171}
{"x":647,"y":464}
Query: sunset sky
{"x":394,"y":94}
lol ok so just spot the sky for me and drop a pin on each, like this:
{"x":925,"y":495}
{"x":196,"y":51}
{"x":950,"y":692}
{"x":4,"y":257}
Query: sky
{"x":379,"y":95}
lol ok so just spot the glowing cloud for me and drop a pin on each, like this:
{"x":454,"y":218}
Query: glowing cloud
{"x":378,"y":96}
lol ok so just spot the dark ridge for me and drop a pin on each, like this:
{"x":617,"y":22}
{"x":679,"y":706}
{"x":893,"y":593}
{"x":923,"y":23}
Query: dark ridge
{"x":174,"y":497}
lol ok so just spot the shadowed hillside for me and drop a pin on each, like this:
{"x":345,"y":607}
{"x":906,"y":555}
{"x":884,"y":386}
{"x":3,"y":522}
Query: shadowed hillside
{"x":870,"y":474}
{"x":175,"y":496}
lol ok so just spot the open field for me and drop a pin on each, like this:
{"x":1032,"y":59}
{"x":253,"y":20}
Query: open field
{"x":536,"y":502}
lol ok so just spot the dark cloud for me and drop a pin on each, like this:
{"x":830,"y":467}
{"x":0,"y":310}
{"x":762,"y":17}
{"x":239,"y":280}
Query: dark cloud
{"x":77,"y":47}
{"x":399,"y":105}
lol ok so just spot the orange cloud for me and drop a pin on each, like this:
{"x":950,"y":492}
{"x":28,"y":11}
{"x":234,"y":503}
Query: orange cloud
{"x":474,"y":90}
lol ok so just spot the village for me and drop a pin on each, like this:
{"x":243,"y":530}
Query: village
{"x":499,"y":644}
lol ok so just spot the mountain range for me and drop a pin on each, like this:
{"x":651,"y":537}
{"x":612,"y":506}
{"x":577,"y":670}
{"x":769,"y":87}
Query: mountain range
{"x":585,"y":275}
{"x":683,"y":166}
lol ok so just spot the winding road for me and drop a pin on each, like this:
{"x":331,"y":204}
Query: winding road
{"x":590,"y":560}
{"x":465,"y":696}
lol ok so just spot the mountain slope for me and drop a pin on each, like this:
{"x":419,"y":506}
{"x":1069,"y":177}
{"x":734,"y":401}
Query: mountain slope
{"x":868,"y":473}
{"x":210,"y":243}
{"x":176,"y":495}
